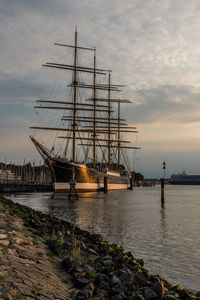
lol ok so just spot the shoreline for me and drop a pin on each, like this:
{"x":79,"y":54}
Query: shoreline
{"x":81,"y":264}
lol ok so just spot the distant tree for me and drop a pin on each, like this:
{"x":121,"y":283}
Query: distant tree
{"x":137,"y":176}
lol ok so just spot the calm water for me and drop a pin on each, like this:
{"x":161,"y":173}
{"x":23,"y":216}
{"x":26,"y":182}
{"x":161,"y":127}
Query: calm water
{"x":168,"y":239}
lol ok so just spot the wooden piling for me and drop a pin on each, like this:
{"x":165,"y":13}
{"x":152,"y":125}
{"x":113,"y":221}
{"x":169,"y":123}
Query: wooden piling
{"x":105,"y":184}
{"x":162,"y":190}
{"x":131,"y":182}
{"x":72,"y":192}
{"x":98,"y":184}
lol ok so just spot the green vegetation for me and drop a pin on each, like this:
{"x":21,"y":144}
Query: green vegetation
{"x":72,"y":295}
{"x":13,"y":211}
{"x":35,"y":290}
{"x":65,"y":280}
{"x":36,"y":233}
{"x":178,"y":287}
{"x":18,"y":296}
{"x":3,"y":279}
{"x":50,"y":257}
{"x":40,"y":254}
{"x":35,"y":242}
{"x":24,"y":243}
{"x":92,"y":274}
{"x":26,"y":224}
{"x":11,"y":246}
{"x":60,"y":241}
{"x":77,"y":255}
{"x":4,"y":250}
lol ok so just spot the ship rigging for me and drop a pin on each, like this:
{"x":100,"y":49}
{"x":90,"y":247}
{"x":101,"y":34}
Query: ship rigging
{"x":90,"y":124}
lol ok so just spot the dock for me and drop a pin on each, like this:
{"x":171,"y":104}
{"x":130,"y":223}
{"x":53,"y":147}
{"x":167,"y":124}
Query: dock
{"x":25,"y":186}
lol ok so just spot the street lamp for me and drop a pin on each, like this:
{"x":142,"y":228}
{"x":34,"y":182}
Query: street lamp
{"x":164,"y":167}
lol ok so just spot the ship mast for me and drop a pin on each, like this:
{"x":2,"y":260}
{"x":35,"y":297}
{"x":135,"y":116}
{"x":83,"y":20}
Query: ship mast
{"x":118,"y":138}
{"x":75,"y":94}
{"x":99,"y":124}
{"x":94,"y":114}
{"x":109,"y":116}
{"x":76,"y":84}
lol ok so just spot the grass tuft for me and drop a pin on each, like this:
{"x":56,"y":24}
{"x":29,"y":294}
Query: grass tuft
{"x":92,"y":274}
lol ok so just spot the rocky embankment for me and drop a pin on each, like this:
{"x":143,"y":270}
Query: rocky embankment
{"x":43,"y":257}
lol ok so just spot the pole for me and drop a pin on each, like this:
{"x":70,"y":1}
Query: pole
{"x":163,"y":185}
{"x":105,"y":184}
{"x":94,"y":122}
{"x":75,"y":96}
{"x":118,"y":168}
{"x":109,"y":116}
{"x":162,"y":191}
{"x":131,"y":182}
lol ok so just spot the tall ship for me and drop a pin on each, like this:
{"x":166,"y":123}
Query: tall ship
{"x":94,"y":137}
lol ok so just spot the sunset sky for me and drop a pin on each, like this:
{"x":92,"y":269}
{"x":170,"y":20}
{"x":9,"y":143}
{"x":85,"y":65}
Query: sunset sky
{"x":152,"y":46}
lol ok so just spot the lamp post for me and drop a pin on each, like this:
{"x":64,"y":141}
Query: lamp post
{"x":164,"y":167}
{"x":163,"y":185}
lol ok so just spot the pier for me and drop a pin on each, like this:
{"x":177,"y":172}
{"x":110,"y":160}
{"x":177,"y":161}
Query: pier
{"x":24,"y":178}
{"x":25,"y":186}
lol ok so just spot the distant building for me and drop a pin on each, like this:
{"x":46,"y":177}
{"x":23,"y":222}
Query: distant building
{"x":137,"y":176}
{"x":8,"y":175}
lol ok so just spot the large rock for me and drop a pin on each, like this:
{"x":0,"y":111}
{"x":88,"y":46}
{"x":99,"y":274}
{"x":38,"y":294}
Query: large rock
{"x":137,"y":296}
{"x":149,"y":294}
{"x":115,"y":280}
{"x":102,"y":293}
{"x":126,"y":276}
{"x":157,"y":285}
{"x":82,"y":282}
{"x":107,"y":263}
{"x":168,"y":297}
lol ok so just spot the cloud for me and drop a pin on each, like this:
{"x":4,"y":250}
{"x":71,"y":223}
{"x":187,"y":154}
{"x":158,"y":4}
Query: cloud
{"x":176,"y":104}
{"x":14,"y":86}
{"x":142,"y":42}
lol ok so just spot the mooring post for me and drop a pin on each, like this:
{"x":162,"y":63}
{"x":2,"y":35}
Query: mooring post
{"x":72,"y":183}
{"x":72,"y":191}
{"x":105,"y":184}
{"x":131,"y":182}
{"x":98,"y":184}
{"x":163,"y":184}
{"x":162,"y":181}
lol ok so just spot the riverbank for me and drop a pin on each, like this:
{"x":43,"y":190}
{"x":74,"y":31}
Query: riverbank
{"x":43,"y":257}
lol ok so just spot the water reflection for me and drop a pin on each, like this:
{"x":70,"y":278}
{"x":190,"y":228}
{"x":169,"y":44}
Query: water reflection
{"x":163,"y":222}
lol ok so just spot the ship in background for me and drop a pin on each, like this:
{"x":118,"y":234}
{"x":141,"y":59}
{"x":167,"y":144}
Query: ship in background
{"x":184,"y":179}
{"x":95,"y":136}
